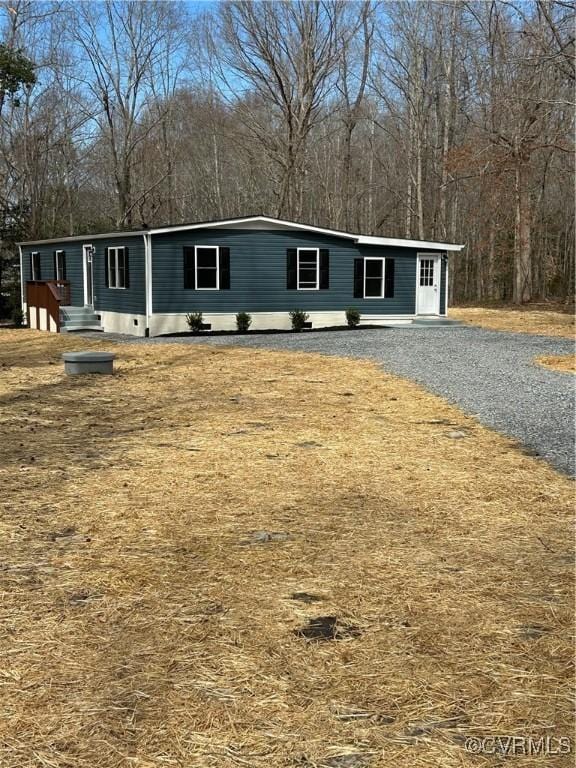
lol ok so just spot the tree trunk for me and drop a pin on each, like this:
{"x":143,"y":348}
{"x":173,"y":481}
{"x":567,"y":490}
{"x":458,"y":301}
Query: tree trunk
{"x":522,"y":246}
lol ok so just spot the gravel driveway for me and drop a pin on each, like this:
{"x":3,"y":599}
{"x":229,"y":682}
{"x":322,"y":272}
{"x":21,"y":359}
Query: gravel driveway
{"x":489,"y":374}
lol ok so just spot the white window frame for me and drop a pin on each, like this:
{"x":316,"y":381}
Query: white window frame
{"x":308,"y":288}
{"x":116,"y":249}
{"x":33,"y":276}
{"x":213,"y":248}
{"x":382,"y":288}
{"x":59,"y":253}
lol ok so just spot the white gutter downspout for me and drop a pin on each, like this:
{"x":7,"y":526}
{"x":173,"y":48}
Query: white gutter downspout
{"x":22,"y":292}
{"x":148,"y":278}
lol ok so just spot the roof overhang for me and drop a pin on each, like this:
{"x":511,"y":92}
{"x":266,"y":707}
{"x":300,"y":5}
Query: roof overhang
{"x":264,"y":222}
{"x":69,"y":238}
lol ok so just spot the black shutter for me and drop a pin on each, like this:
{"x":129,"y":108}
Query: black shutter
{"x":389,"y":279}
{"x":189,"y":268}
{"x":31,"y":266}
{"x":106,"y":267}
{"x":55,"y":265}
{"x":224,"y":259}
{"x":126,"y":269}
{"x":291,"y":265}
{"x":64,"y":273}
{"x":358,"y":278}
{"x":324,"y":269}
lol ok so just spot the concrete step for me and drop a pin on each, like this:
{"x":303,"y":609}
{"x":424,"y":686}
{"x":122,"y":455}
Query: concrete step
{"x":82,"y":327}
{"x":76,"y":311}
{"x":78,"y":319}
{"x":434,"y":321}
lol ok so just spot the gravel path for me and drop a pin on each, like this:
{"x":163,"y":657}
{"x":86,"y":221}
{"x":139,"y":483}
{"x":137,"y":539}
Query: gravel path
{"x":489,"y":374}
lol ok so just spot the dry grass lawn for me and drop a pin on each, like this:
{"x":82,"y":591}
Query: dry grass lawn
{"x":540,"y":321}
{"x":142,"y":623}
{"x":564,"y":363}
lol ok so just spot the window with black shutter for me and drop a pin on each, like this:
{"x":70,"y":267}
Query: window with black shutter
{"x":373,"y":277}
{"x":59,"y":265}
{"x":117,"y":273}
{"x":308,"y":269}
{"x":207,"y":267}
{"x":35,"y":271}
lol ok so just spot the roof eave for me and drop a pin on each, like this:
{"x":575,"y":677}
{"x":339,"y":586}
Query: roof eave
{"x":68,"y":238}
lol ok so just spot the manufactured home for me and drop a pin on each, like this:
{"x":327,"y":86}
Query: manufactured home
{"x":145,"y":282}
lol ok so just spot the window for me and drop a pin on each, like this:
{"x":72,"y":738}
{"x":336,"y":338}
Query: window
{"x":426,"y":272}
{"x":308,"y":268}
{"x":59,"y":265}
{"x":207,"y":271}
{"x":374,"y":278}
{"x":117,"y":267}
{"x":35,"y":266}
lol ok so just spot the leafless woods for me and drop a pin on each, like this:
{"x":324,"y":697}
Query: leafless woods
{"x":429,"y":120}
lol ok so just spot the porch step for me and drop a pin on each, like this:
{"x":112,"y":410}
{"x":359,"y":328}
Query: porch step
{"x":78,"y":319}
{"x":435,"y":321}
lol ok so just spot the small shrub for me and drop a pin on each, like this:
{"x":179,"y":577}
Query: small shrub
{"x":195,"y":321}
{"x":243,"y":322}
{"x":352,"y":317}
{"x":18,"y":317}
{"x":298,"y":318}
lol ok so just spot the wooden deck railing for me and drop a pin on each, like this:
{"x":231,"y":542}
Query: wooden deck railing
{"x":46,"y":295}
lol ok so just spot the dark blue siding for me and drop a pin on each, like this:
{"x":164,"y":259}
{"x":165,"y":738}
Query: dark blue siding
{"x":74,"y":271}
{"x":258,"y":274}
{"x":131,"y":300}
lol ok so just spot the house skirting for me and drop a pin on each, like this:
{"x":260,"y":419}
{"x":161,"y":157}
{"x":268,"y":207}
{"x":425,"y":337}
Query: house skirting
{"x":120,"y":322}
{"x":262,"y":321}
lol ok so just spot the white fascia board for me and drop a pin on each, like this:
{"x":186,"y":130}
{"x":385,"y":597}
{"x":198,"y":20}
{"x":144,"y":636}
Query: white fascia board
{"x":84,"y":237}
{"x":398,"y":243}
{"x":247,"y":220}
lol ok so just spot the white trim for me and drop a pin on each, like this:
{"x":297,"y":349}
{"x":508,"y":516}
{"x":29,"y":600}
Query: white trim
{"x":446,"y":286}
{"x":398,"y":243}
{"x":148,"y":275}
{"x":32,"y":270}
{"x":317,"y":286}
{"x":360,"y":239}
{"x":80,"y":237}
{"x":56,"y":270}
{"x":213,"y":248}
{"x":22,"y":291}
{"x":85,"y":246}
{"x":438,"y":275}
{"x":382,"y":288}
{"x":117,"y":249}
{"x":255,"y":219}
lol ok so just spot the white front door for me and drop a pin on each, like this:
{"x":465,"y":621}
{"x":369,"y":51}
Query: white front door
{"x":88,"y":251}
{"x":428,"y":284}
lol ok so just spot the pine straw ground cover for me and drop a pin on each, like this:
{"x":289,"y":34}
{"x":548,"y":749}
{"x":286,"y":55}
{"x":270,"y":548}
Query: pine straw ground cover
{"x":167,"y":532}
{"x":536,"y":319}
{"x":564,"y":363}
